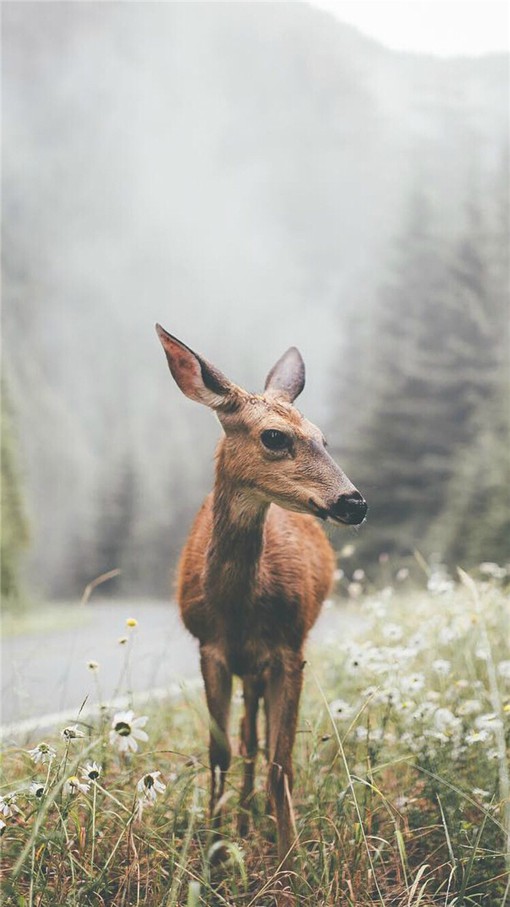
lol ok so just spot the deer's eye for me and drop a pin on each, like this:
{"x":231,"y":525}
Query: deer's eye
{"x":275,"y":440}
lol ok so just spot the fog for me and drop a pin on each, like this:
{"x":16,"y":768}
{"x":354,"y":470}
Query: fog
{"x":239,"y":173}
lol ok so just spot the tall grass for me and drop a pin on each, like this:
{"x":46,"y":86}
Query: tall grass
{"x":400,"y":792}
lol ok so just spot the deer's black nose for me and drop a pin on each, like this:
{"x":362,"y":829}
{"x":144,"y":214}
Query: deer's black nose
{"x":350,"y":508}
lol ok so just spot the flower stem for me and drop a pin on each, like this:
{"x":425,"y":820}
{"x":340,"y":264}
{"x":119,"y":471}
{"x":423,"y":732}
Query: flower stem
{"x":94,"y":796}
{"x":32,"y":874}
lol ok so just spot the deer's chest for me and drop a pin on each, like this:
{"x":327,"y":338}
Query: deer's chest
{"x":250,"y":635}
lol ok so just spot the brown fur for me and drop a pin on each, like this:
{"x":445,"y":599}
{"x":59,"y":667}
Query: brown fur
{"x":253,"y":575}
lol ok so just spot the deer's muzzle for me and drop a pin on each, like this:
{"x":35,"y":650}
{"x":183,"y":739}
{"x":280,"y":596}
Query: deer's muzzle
{"x":349,"y":508}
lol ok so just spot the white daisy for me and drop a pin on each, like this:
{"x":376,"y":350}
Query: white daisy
{"x":447,"y":635}
{"x":417,"y":642}
{"x":150,"y":786}
{"x":126,"y":730}
{"x":439,"y":583}
{"x":482,"y":653}
{"x":392,"y":632}
{"x":491,"y":569}
{"x":446,"y":722}
{"x":355,"y":589}
{"x":441,"y":666}
{"x":387,"y":696}
{"x":341,"y":710}
{"x":406,"y":706}
{"x":73,"y":785}
{"x":424,"y":711}
{"x":413,"y":683}
{"x":72,"y":732}
{"x":469,"y":707}
{"x":489,"y":722}
{"x":36,"y":790}
{"x":91,"y":771}
{"x":8,"y":805}
{"x":477,"y":737}
{"x":42,"y":753}
{"x":493,"y":755}
{"x":402,"y":803}
{"x":377,"y":608}
{"x":504,"y":670}
{"x":479,"y":792}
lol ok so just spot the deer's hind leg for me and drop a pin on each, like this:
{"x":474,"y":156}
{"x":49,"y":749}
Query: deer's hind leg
{"x":218,"y":690}
{"x":252,"y":691}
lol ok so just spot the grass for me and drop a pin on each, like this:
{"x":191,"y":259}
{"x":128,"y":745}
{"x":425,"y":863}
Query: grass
{"x":401,"y":787}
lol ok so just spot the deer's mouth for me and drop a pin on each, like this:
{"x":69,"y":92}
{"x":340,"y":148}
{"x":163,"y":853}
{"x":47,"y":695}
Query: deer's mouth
{"x":317,"y":510}
{"x":340,"y":521}
{"x":348,"y":511}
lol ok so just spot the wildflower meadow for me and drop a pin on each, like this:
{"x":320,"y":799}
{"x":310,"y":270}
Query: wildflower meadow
{"x":402,"y":792}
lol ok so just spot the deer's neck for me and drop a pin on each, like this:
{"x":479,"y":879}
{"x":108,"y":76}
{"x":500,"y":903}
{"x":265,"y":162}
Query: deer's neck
{"x":237,"y":541}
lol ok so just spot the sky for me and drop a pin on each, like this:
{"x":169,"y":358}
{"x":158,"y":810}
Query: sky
{"x":443,"y":27}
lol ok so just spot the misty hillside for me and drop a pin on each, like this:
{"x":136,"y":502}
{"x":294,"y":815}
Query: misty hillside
{"x":238,"y":172}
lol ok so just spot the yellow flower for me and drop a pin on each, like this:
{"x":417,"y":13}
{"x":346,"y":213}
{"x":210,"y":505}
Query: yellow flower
{"x":131,"y":622}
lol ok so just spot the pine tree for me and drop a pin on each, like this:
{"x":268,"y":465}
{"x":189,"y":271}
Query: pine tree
{"x":433,"y":377}
{"x":402,"y":461}
{"x":475,"y":524}
{"x":117,"y":505}
{"x":14,"y":535}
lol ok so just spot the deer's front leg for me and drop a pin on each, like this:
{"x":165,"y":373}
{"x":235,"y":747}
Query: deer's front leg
{"x":282,"y":701}
{"x":218,"y":690}
{"x":252,"y":691}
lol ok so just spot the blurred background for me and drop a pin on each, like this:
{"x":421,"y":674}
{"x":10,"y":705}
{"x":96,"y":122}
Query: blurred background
{"x":251,"y":175}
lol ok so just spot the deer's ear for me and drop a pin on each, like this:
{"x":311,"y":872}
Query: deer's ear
{"x":196,"y":377}
{"x":287,"y":378}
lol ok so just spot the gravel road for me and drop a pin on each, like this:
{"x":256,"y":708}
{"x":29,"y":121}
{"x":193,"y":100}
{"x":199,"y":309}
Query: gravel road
{"x":46,"y":672}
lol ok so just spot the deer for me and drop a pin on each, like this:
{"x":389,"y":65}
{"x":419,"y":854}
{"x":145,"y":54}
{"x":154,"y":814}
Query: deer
{"x":257,"y":567}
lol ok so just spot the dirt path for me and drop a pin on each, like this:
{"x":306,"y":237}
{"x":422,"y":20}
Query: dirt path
{"x":46,"y":672}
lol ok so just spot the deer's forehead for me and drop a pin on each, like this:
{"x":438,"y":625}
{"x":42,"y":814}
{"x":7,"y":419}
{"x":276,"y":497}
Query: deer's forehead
{"x":262,"y":413}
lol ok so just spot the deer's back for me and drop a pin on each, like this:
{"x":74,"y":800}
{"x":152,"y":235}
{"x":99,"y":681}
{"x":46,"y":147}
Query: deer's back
{"x":295,"y":576}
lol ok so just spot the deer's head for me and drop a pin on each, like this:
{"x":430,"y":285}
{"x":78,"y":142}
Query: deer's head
{"x":270,"y":451}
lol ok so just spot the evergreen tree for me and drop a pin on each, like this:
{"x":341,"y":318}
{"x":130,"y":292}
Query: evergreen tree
{"x":14,"y":535}
{"x":117,"y":507}
{"x":475,"y":525}
{"x":434,"y":375}
{"x":402,"y":461}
